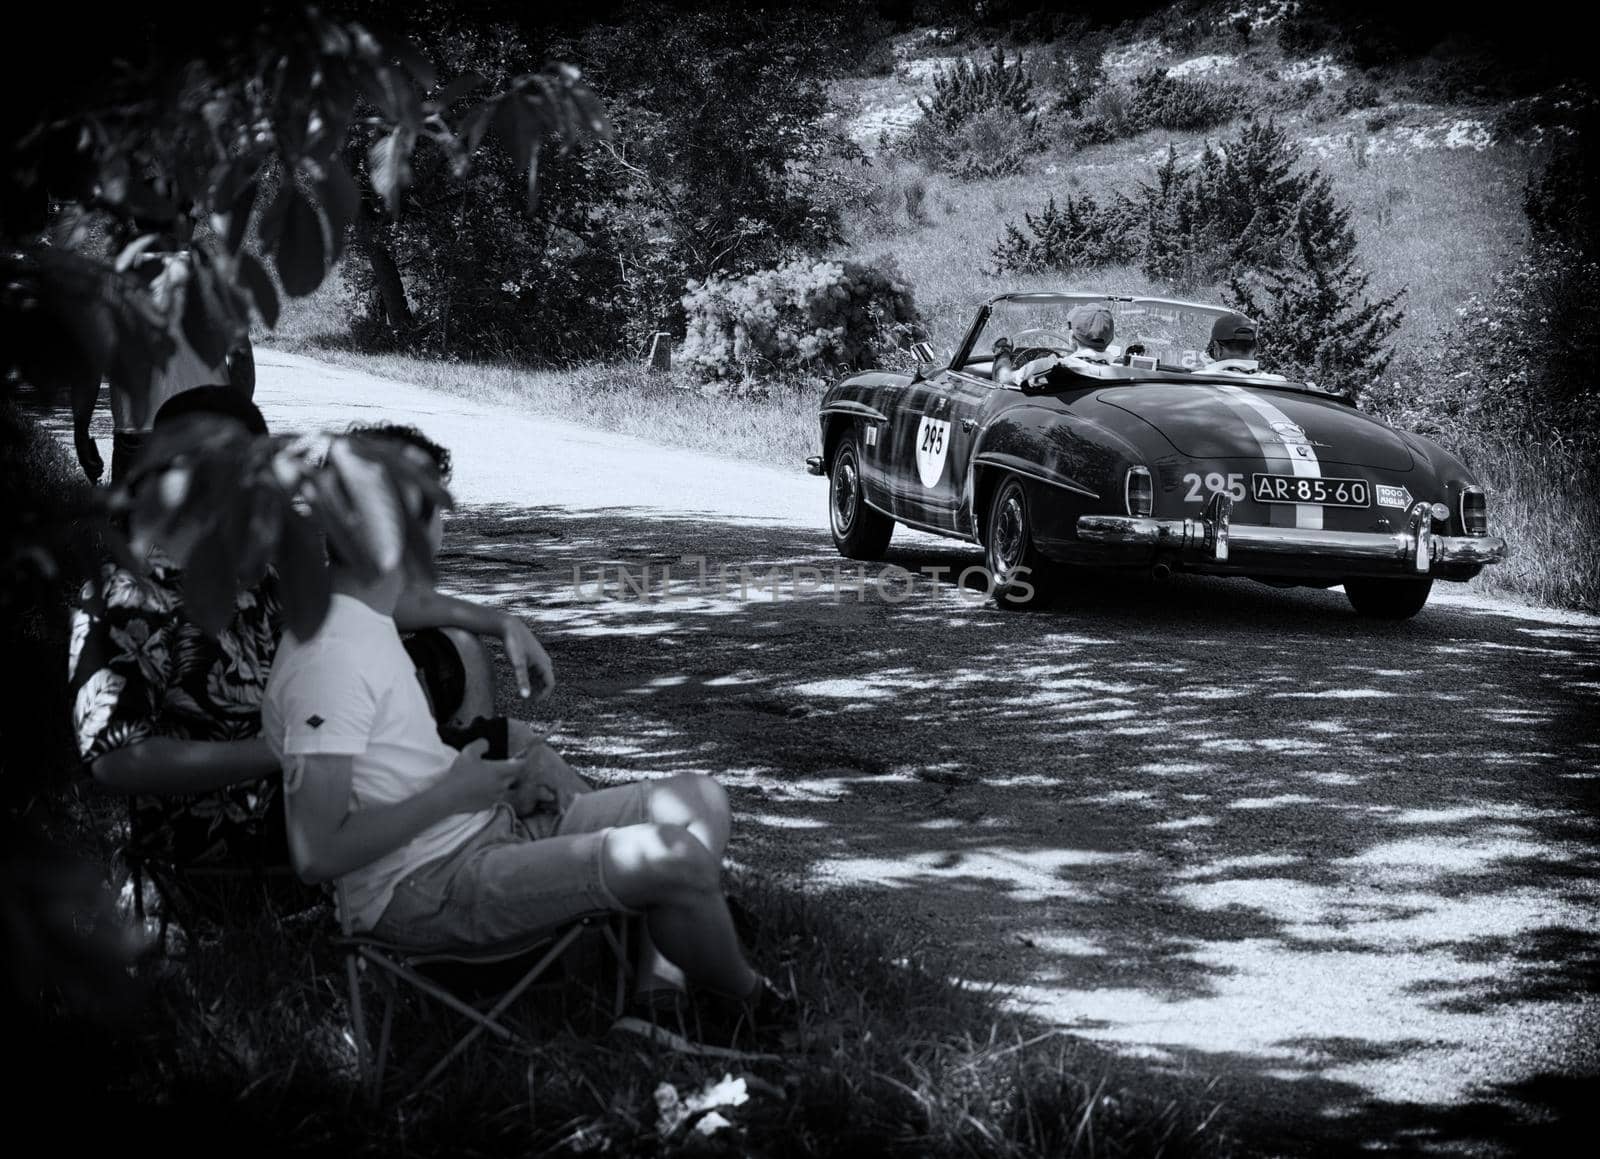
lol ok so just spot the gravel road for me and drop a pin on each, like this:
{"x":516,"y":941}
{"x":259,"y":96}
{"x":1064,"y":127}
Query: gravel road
{"x":1346,"y":870}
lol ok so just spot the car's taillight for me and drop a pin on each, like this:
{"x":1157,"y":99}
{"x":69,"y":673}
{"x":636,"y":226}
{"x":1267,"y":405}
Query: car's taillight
{"x":1474,"y":511}
{"x":1138,"y":493}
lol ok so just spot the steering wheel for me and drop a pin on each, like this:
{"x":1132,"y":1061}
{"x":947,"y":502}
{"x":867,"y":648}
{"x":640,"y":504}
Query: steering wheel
{"x":1051,"y":341}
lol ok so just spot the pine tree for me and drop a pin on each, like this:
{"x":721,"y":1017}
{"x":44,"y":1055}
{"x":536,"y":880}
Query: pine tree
{"x":1167,"y":236}
{"x":962,"y":92}
{"x":1081,"y":234}
{"x":1316,"y":321}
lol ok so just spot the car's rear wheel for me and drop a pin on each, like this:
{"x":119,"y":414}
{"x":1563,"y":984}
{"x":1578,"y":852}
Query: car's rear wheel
{"x":859,"y":531}
{"x":1019,"y":575}
{"x":1388,"y":599}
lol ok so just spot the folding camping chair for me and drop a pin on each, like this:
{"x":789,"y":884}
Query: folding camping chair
{"x":391,"y":965}
{"x":195,"y":894}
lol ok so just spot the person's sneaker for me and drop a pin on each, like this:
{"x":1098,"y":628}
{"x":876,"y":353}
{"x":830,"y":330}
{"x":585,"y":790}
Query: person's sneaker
{"x":773,"y":1009}
{"x":767,"y":1020}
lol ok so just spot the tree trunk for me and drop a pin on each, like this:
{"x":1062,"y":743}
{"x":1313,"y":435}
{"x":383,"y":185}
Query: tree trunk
{"x":386,"y":276}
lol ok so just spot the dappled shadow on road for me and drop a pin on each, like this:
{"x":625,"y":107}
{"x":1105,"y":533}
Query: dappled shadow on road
{"x":1349,"y":867}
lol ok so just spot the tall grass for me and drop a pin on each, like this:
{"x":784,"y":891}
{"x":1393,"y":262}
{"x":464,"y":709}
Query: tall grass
{"x":779,"y":430}
{"x":893,"y":1058}
{"x":1548,"y":510}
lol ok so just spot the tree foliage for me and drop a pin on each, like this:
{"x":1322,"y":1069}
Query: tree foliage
{"x":1317,"y":321}
{"x":823,"y":317}
{"x":1237,"y":206}
{"x":240,"y":156}
{"x":718,"y":163}
{"x":245,"y":143}
{"x":1248,"y":212}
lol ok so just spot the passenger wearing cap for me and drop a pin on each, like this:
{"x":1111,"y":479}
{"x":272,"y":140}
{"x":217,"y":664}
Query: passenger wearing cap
{"x":1232,"y":348}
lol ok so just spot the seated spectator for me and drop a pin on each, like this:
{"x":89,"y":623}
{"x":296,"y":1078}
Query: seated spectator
{"x":171,"y":716}
{"x":427,"y":845}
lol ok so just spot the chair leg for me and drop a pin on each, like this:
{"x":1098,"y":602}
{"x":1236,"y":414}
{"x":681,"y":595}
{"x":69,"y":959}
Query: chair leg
{"x":383,"y":1039}
{"x":616,"y":935}
{"x":358,"y":1026}
{"x":434,"y":990}
{"x":490,"y":1021}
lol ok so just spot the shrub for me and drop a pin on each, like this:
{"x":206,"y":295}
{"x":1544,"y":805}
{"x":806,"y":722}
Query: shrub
{"x":1108,"y":115}
{"x":991,"y":144}
{"x":802,"y":316}
{"x":966,"y":90}
{"x":1079,"y":235}
{"x":1074,"y":71}
{"x":981,"y":121}
{"x":1523,"y":353}
{"x":1161,"y":101}
{"x":1560,"y":201}
{"x":1237,"y":208}
{"x":1316,"y":321}
{"x":1245,"y":212}
{"x":887,"y":197}
{"x":915,"y":196}
{"x":1360,"y":94}
{"x":1304,"y":32}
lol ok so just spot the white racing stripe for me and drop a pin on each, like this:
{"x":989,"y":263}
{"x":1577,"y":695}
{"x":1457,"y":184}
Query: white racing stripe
{"x":1306,"y":515}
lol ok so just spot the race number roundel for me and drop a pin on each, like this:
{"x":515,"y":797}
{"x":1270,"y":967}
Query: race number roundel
{"x":933,"y":439}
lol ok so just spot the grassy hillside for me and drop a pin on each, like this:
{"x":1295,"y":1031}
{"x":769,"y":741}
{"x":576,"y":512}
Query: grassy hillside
{"x":1435,"y":188}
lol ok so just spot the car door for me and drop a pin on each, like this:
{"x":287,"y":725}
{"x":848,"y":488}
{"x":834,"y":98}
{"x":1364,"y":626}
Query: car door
{"x":918,"y":449}
{"x":934,"y":432}
{"x":971,"y":398}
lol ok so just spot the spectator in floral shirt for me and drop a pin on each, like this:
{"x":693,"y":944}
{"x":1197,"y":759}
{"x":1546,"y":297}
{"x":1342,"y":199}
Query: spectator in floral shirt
{"x":172,"y":717}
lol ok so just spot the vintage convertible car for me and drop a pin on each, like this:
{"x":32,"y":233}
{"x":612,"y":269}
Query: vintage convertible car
{"x":1144,"y":456}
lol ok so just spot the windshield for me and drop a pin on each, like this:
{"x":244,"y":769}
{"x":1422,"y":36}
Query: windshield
{"x":1175,"y":334}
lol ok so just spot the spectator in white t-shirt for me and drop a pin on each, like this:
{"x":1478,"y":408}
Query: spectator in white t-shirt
{"x":426,"y":845}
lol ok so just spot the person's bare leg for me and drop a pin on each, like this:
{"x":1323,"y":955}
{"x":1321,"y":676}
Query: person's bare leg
{"x":700,"y":805}
{"x":666,"y":871}
{"x":697,"y":803}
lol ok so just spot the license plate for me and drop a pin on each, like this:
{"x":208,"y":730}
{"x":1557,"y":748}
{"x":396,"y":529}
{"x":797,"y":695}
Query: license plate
{"x":1300,"y":489}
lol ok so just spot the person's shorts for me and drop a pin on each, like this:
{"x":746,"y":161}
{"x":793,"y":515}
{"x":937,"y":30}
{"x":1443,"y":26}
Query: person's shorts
{"x":515,"y":877}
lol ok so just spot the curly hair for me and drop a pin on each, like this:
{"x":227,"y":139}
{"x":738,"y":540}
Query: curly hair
{"x":410,"y":435}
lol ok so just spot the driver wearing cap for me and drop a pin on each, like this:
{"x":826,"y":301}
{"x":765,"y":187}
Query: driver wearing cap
{"x":1091,"y":329}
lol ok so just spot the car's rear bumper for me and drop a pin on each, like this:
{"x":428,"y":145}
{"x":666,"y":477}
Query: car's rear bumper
{"x":1213,"y":542}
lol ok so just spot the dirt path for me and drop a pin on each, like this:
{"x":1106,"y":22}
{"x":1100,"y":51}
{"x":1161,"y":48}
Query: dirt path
{"x":1349,"y":870}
